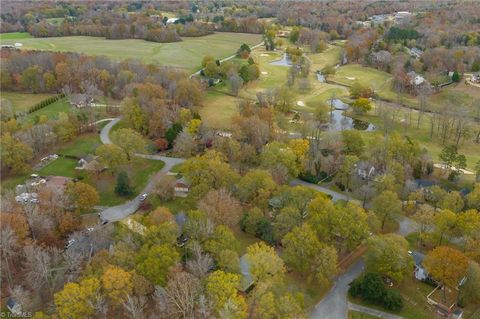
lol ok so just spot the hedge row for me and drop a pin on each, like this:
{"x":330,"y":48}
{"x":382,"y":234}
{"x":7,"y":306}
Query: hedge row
{"x":46,"y":102}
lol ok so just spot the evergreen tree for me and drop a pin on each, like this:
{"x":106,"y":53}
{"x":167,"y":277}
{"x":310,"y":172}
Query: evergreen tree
{"x":123,"y":187}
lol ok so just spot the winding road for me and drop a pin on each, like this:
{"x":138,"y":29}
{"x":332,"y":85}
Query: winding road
{"x":119,"y":212}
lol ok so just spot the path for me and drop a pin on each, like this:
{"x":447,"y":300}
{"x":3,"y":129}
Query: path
{"x":226,"y":59}
{"x":335,"y":195}
{"x":335,"y":305}
{"x":373,"y":312}
{"x":119,"y":212}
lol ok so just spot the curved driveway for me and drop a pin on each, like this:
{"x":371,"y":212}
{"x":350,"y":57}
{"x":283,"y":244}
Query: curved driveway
{"x":119,"y":212}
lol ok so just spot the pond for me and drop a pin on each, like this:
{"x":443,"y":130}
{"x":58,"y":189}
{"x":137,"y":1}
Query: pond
{"x":338,"y":104}
{"x":285,"y":61}
{"x":320,"y":76}
{"x":341,"y":122}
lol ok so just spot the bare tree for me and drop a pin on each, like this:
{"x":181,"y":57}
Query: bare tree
{"x":182,"y":292}
{"x":165,"y":186}
{"x":221,"y":207}
{"x":134,"y":306}
{"x":8,"y":249}
{"x":201,"y":263}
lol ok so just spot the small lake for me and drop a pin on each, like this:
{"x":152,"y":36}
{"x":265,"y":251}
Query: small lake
{"x":320,"y":76}
{"x":338,"y":104}
{"x":341,"y":122}
{"x":285,"y":61}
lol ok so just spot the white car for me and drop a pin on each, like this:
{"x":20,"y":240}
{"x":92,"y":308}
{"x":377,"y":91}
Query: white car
{"x":90,"y":229}
{"x":70,"y":243}
{"x":142,"y":198}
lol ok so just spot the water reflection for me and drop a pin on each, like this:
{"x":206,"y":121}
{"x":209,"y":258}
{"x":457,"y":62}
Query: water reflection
{"x":340,"y":122}
{"x":285,"y":61}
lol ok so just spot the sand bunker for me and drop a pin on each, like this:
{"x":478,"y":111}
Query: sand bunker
{"x":300,"y":103}
{"x":351,"y":78}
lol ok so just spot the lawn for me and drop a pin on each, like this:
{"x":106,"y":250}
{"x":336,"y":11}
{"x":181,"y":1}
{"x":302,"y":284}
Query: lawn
{"x":83,"y":145}
{"x":329,"y":57}
{"x":218,"y":109}
{"x":52,"y":110}
{"x":23,"y":101}
{"x":15,"y":36}
{"x":360,"y":315}
{"x":186,"y":54}
{"x":62,"y":166}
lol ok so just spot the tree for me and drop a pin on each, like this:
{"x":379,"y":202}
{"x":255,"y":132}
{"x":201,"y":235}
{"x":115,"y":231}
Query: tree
{"x":264,"y":262}
{"x":452,"y":201}
{"x":123,"y":187}
{"x":445,"y":225}
{"x":304,"y":252}
{"x":446,"y":265}
{"x":78,"y":300}
{"x":256,"y":187}
{"x":470,"y":290}
{"x":278,"y":157}
{"x":386,"y":205}
{"x":31,"y":79}
{"x":473,"y":198}
{"x":221,"y":239}
{"x":185,"y":144}
{"x":346,"y":170}
{"x":155,"y":262}
{"x":165,"y":186}
{"x":388,"y":255}
{"x":207,"y":59}
{"x":361,"y":106}
{"x":15,"y":155}
{"x":111,"y":156}
{"x":221,"y":289}
{"x":353,"y":143}
{"x":211,"y":70}
{"x":129,"y":141}
{"x":182,"y":292}
{"x":221,"y":207}
{"x":456,"y":77}
{"x":117,"y":284}
{"x":83,"y":196}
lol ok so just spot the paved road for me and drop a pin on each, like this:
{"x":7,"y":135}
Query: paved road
{"x":373,"y":312}
{"x":335,"y":195}
{"x":119,"y":212}
{"x":334,"y":305}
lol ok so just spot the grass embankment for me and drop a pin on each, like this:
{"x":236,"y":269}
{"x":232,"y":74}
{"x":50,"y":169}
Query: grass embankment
{"x":186,"y":54}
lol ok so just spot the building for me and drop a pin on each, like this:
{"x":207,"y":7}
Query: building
{"x":475,"y":78}
{"x":172,"y":20}
{"x":283,"y":34}
{"x":89,"y":163}
{"x":415,"y":52}
{"x":14,"y":307}
{"x":415,"y":79}
{"x":365,"y":170}
{"x":419,"y":273}
{"x":182,"y":187}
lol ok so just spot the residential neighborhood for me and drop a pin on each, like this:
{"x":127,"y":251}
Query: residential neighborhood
{"x":250,"y":159}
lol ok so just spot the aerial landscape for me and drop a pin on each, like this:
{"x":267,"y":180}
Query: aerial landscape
{"x":240,"y":159}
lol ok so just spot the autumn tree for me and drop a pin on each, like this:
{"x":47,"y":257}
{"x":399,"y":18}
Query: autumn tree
{"x":111,"y":156}
{"x":117,"y":284}
{"x":83,"y":196}
{"x":129,"y":141}
{"x":256,"y":187}
{"x":221,"y":289}
{"x":386,"y":206}
{"x":76,"y":301}
{"x":388,"y":255}
{"x":264,"y":262}
{"x":447,"y":265}
{"x":221,"y":207}
{"x":15,"y":155}
{"x":154,"y":262}
{"x":470,"y":290}
{"x":306,"y":254}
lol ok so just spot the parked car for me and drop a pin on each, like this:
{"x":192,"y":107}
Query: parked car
{"x":70,"y":243}
{"x":142,"y":198}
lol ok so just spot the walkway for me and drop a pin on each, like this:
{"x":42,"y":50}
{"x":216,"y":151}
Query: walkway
{"x":373,"y":312}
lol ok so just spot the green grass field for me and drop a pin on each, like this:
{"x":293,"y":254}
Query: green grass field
{"x":186,"y":54}
{"x":14,"y":36}
{"x":23,"y":101}
{"x":61,"y":166}
{"x":359,"y":315}
{"x":82,"y":145}
{"x":218,"y":109}
{"x":52,"y":110}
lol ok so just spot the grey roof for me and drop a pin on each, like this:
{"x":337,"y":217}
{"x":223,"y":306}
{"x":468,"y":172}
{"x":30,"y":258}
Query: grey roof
{"x":418,"y":257}
{"x":181,"y":219}
{"x":247,"y":279}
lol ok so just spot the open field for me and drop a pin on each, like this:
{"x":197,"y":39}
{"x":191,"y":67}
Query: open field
{"x":83,"y":145}
{"x":52,"y":110}
{"x":218,"y":109}
{"x":186,"y":54}
{"x":15,"y":36}
{"x":23,"y":101}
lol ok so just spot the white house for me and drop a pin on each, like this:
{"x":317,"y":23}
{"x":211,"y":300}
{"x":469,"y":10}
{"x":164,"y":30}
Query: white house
{"x":172,"y":20}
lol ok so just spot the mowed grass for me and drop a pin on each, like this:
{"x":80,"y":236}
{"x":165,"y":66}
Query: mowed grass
{"x":218,"y":109}
{"x":23,"y":101}
{"x":14,"y":36}
{"x":82,"y":146}
{"x":186,"y":54}
{"x":360,"y":315}
{"x":62,"y":166}
{"x":52,"y":110}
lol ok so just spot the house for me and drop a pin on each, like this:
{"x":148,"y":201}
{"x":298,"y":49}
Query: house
{"x":283,"y":34}
{"x":80,"y":100}
{"x":419,"y":273}
{"x":25,"y":198}
{"x":475,"y":78}
{"x":365,"y":170}
{"x":415,"y":52}
{"x":89,"y":163}
{"x":224,"y":134}
{"x":14,"y":307}
{"x":401,"y":15}
{"x":415,"y":79}
{"x":57,"y":182}
{"x":182,"y":187}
